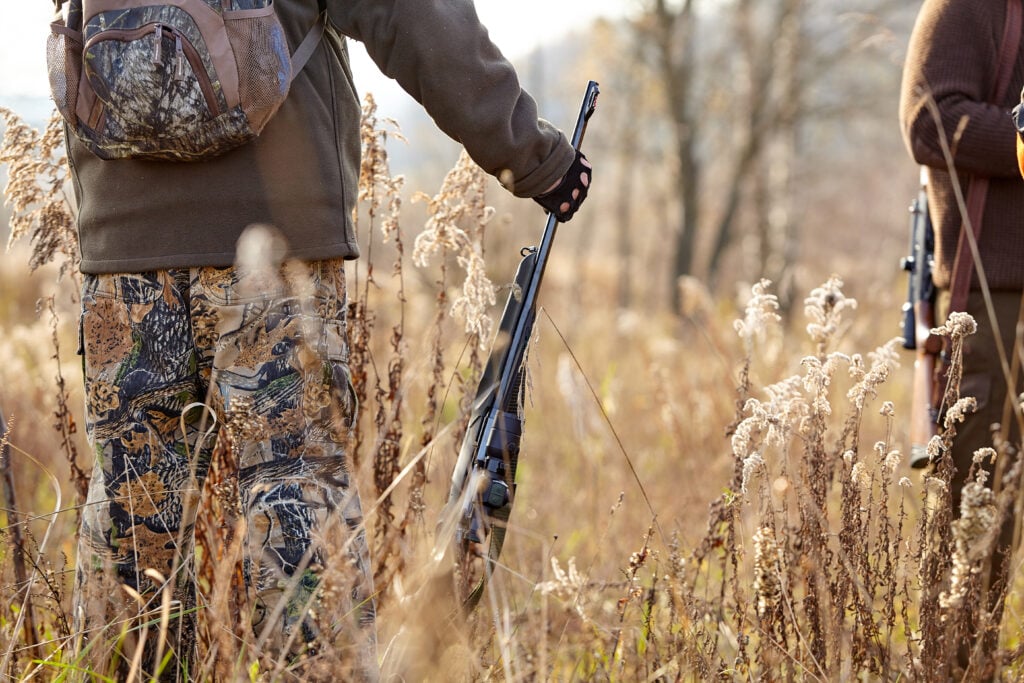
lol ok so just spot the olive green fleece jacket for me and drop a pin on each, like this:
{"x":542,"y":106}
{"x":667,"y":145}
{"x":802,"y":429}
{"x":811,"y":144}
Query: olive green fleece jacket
{"x":301,"y":174}
{"x":952,"y":58}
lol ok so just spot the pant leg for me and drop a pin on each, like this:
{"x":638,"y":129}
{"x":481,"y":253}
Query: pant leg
{"x":984,"y":379}
{"x":279,"y":368}
{"x":139,"y":364}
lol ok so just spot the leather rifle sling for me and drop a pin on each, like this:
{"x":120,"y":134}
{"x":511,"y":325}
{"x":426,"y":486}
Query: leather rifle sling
{"x":963,"y":262}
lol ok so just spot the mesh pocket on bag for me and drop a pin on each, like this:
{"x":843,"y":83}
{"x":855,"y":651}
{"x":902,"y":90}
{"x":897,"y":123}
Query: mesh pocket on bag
{"x":64,"y":64}
{"x":264,"y":65}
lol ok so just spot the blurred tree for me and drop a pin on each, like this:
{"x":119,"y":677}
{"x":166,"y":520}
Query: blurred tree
{"x":669,"y":32}
{"x":745,"y":86}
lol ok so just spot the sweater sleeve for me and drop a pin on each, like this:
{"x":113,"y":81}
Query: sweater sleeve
{"x":440,"y":53}
{"x":951,"y":62}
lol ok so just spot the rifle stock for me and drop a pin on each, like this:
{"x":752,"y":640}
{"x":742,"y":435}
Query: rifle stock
{"x":923,"y":416}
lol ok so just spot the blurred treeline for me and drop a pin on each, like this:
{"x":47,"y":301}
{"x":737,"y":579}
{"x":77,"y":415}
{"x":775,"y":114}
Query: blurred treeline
{"x":735,"y":140}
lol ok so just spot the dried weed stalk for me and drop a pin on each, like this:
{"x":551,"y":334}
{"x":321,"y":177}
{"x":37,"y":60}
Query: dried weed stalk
{"x":380,"y":196}
{"x":64,"y":422}
{"x":461,"y":203}
{"x":378,"y":192}
{"x":37,"y":177}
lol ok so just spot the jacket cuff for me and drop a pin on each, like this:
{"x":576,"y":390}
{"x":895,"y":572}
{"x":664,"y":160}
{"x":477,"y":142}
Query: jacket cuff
{"x":547,"y":174}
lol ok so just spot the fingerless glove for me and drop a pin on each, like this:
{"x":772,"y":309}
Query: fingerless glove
{"x":572,"y":190}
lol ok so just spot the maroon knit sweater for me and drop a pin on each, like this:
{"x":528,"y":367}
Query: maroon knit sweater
{"x":952,"y":60}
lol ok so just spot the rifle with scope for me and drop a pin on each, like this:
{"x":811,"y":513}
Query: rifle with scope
{"x":918,"y":321}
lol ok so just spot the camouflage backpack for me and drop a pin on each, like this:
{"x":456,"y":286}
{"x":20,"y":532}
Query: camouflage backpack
{"x":181,"y":80}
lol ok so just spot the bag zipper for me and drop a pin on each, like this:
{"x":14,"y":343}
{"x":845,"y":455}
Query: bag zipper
{"x":183,"y":50}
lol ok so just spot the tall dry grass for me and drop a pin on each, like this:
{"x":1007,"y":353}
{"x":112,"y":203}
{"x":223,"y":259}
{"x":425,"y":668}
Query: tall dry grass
{"x":718,"y":494}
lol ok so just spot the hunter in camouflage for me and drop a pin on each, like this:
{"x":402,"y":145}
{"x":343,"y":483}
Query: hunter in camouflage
{"x":224,"y":392}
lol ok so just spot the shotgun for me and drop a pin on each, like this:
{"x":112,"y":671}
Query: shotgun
{"x":918,"y":320}
{"x":483,"y":482}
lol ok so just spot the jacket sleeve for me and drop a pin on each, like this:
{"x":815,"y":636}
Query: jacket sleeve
{"x":951,"y":61}
{"x":440,"y":53}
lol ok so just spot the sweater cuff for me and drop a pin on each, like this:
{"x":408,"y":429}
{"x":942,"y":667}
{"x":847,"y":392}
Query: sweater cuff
{"x":547,"y":174}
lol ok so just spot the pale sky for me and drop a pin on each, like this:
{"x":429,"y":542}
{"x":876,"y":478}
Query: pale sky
{"x":515,"y":27}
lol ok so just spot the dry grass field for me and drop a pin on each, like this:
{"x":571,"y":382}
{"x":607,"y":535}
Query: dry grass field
{"x":719,"y":494}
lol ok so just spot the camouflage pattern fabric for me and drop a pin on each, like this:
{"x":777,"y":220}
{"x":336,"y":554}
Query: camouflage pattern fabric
{"x":148,"y":81}
{"x":265,"y":354}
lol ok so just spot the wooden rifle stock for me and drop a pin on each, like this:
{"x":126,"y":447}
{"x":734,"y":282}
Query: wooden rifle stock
{"x":923,"y":414}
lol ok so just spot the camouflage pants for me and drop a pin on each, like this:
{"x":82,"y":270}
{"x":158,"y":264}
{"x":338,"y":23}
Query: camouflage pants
{"x":239,"y":381}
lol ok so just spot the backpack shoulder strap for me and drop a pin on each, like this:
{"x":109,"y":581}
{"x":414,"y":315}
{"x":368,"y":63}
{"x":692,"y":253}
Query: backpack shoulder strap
{"x":309,"y":44}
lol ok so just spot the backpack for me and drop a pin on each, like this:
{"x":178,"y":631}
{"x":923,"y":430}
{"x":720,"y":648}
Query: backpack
{"x":178,"y":80}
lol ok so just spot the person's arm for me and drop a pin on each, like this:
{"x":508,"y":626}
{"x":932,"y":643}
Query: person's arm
{"x":952,"y":58}
{"x":439,"y":52}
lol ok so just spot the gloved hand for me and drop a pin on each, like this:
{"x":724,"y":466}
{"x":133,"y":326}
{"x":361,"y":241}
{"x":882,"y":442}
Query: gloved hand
{"x":1020,"y":155}
{"x":565,"y":198}
{"x":1018,"y":122}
